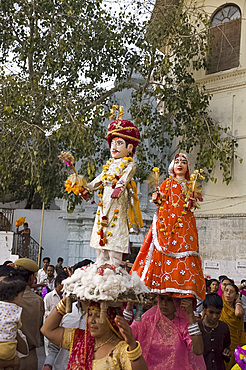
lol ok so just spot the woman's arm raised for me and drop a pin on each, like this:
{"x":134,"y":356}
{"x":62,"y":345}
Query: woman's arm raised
{"x":133,"y":346}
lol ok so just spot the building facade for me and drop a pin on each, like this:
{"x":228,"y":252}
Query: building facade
{"x":222,"y":217}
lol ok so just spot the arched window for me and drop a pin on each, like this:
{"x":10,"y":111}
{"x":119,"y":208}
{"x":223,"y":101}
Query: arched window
{"x":225,"y":35}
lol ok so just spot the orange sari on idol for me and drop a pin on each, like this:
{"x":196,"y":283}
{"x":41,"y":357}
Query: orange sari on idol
{"x":168,"y":261}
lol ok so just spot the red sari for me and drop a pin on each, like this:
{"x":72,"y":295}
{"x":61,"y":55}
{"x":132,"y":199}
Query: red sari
{"x":168,"y":261}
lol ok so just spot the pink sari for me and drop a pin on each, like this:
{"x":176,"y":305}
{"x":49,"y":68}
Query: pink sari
{"x":166,"y":345}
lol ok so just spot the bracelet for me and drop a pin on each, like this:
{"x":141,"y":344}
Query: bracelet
{"x":198,"y":332}
{"x":127,"y":315}
{"x":136,"y":353}
{"x":240,"y":303}
{"x":61,"y":308}
{"x":194,"y":329}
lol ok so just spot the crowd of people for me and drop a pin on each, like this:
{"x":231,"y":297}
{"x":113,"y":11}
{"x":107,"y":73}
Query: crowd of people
{"x":171,"y":333}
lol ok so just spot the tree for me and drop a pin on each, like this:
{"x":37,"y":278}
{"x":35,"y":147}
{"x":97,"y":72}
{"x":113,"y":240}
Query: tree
{"x":63,"y":61}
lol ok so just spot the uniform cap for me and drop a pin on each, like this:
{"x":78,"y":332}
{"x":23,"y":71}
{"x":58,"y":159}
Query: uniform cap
{"x":27,"y":264}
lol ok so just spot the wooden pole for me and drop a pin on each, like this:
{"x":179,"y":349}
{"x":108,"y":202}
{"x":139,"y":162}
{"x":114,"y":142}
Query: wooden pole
{"x":40,"y":237}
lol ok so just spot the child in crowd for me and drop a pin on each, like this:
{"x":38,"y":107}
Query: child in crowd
{"x":215,"y":333}
{"x":11,"y":291}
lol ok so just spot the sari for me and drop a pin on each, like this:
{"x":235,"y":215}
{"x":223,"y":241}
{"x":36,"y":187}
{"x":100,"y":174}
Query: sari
{"x":166,"y":345}
{"x":236,"y":327}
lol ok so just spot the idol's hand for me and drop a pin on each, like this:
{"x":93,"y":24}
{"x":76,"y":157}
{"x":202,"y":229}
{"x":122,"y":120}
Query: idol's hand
{"x":84,"y":194}
{"x":156,"y":197}
{"x":116,"y":193}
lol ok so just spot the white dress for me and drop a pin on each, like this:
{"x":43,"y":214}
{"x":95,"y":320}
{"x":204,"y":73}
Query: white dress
{"x":116,"y":209}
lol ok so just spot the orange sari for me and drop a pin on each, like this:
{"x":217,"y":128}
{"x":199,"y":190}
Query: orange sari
{"x":168,"y":261}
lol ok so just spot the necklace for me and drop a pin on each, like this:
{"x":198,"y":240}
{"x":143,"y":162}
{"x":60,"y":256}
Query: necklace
{"x":175,"y":204}
{"x":97,"y":346}
{"x":212,"y":329}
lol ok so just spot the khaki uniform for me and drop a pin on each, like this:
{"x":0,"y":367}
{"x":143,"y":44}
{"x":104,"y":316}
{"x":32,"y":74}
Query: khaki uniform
{"x":31,"y":317}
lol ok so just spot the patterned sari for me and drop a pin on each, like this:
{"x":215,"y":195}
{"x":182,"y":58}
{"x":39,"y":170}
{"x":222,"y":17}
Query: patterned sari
{"x":168,"y":261}
{"x":166,"y":345}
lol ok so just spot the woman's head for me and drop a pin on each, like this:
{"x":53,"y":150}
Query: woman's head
{"x":96,"y":327}
{"x":12,"y":289}
{"x":230,"y":293}
{"x":166,"y":306}
{"x":224,"y":283}
{"x":179,"y":167}
{"x":213,"y":286}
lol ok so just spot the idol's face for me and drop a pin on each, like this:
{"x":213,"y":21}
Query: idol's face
{"x":119,"y":149}
{"x":180,"y":167}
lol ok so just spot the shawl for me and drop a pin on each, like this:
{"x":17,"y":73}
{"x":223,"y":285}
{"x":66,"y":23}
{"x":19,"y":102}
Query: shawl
{"x":220,"y":293}
{"x":165,"y":344}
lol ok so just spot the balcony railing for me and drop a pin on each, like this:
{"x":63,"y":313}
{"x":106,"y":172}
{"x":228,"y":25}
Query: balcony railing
{"x":23,"y":245}
{"x":6,"y":219}
{"x":26,"y":247}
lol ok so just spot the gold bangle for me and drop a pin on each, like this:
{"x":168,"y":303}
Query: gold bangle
{"x":61,"y":308}
{"x":136,"y":353}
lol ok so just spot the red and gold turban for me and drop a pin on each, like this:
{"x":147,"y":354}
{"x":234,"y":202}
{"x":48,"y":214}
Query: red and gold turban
{"x":124,"y":129}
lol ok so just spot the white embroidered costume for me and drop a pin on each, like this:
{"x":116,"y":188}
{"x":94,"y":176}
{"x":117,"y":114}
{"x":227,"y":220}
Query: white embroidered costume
{"x":115,"y":209}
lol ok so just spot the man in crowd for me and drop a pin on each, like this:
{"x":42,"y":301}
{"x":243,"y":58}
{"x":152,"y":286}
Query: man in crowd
{"x":32,"y":313}
{"x":59,"y":267}
{"x":49,"y":281}
{"x":42,"y":273}
{"x":50,"y":301}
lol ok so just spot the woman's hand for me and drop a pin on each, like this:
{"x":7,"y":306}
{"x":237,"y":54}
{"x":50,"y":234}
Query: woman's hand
{"x":126,"y":332}
{"x":187,"y":305}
